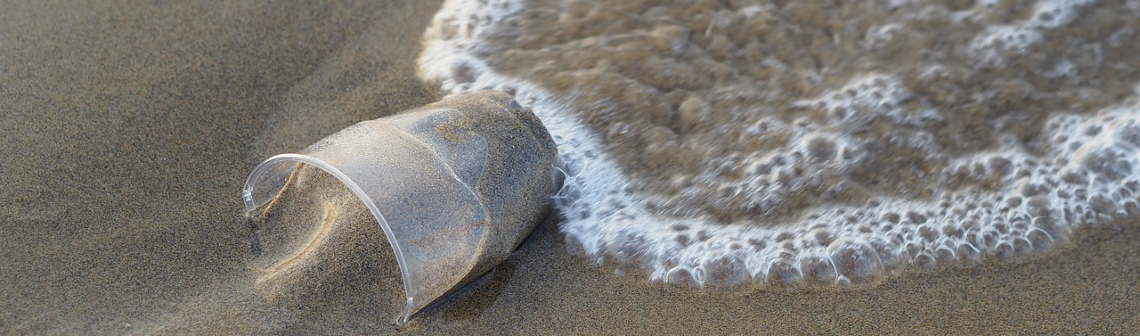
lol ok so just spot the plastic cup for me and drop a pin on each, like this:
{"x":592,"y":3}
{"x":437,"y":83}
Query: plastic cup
{"x":456,"y":185}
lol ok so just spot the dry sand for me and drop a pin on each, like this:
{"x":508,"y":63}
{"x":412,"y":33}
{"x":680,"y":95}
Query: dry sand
{"x":129,"y":129}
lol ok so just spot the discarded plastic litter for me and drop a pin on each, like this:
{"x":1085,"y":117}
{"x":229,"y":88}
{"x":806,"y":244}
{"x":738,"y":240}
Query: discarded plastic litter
{"x":456,"y":185}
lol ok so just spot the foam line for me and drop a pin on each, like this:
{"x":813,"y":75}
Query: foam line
{"x":1090,"y":173}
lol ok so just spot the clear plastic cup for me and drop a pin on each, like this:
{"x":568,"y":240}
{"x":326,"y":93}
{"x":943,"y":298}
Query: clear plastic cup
{"x":456,"y":185}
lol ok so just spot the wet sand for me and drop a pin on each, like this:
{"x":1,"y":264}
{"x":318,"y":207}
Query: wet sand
{"x":130,"y":129}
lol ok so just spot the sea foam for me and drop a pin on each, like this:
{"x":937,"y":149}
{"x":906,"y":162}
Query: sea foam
{"x":808,"y":167}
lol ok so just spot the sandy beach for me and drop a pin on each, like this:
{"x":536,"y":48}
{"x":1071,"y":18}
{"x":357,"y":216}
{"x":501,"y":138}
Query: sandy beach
{"x":130,"y":128}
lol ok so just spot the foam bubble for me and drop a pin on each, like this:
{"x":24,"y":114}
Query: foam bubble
{"x":1000,"y":40}
{"x":1055,"y":13}
{"x":798,"y":166}
{"x":997,"y":41}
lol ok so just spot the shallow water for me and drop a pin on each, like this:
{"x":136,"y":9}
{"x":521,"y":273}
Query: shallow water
{"x":748,"y":142}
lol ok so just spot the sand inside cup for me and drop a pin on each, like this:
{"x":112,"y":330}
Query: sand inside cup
{"x":457,"y":185}
{"x":318,"y":248}
{"x":514,"y":177}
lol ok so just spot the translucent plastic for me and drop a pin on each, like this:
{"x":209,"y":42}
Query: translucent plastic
{"x":456,"y":185}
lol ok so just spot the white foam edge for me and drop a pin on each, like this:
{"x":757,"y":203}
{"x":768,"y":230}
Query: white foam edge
{"x":612,"y":223}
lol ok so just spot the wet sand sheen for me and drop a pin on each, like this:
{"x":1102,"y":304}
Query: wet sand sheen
{"x":130,"y":130}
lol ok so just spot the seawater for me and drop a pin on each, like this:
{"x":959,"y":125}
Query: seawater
{"x":724,"y":143}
